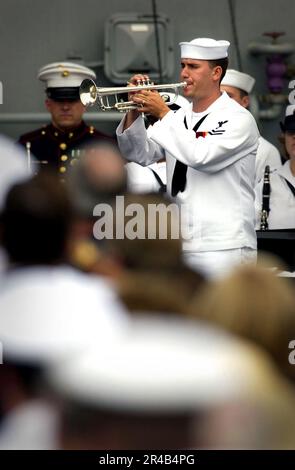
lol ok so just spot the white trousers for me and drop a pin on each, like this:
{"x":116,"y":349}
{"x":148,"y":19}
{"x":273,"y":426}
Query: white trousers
{"x":216,"y":264}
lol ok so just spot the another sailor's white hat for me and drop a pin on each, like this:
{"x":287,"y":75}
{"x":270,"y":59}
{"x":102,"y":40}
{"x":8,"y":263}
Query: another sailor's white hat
{"x":159,"y":366}
{"x":204,"y":49}
{"x":63,"y":79}
{"x":240,"y":80}
{"x":47,"y":313}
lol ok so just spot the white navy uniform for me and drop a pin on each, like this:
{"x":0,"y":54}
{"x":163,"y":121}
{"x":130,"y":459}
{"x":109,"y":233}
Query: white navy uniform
{"x":267,"y":154}
{"x":221,"y":169}
{"x":282,"y":200}
{"x":141,"y":179}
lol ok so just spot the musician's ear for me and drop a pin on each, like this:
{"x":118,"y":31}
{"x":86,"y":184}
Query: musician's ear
{"x":216,"y":73}
{"x":245,"y":101}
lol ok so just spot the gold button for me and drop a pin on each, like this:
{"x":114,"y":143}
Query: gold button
{"x":91,"y":130}
{"x":71,"y":135}
{"x":65,"y":73}
{"x":62,"y":169}
{"x":63,"y":146}
{"x":43,"y":132}
{"x":56,"y":134}
{"x":64,"y":158}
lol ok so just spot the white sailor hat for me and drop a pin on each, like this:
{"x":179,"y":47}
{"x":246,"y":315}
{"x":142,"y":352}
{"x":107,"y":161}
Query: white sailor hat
{"x":240,"y":80}
{"x":204,"y":49}
{"x":159,"y":366}
{"x":47,"y":313}
{"x":63,"y":79}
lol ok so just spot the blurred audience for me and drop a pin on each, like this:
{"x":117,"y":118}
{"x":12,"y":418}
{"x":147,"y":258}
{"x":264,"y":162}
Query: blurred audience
{"x":196,"y":365}
{"x":13,"y":168}
{"x":147,"y":262}
{"x":47,"y":308}
{"x":97,"y":178}
{"x":165,"y":385}
{"x":255,"y":304}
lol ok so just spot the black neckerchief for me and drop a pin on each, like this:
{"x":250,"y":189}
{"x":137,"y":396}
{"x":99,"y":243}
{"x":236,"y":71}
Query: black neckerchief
{"x":180,"y":169}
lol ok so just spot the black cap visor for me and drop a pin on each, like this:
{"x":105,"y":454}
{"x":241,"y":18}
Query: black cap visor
{"x":63,"y":93}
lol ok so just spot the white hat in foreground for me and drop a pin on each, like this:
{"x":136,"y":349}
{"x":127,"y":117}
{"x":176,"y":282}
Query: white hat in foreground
{"x":159,"y":366}
{"x":50,"y":312}
{"x":204,"y":49}
{"x":240,"y":80}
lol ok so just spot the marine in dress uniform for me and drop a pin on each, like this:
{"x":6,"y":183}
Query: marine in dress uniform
{"x":60,"y":143}
{"x":238,"y":86}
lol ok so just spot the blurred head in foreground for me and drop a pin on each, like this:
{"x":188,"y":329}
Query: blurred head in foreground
{"x":256,"y":304}
{"x":36,"y":220}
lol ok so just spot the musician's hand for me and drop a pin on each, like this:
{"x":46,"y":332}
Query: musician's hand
{"x":151,"y":102}
{"x":148,"y":101}
{"x":137,"y":80}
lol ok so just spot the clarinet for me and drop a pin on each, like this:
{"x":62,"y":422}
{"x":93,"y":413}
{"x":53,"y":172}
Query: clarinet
{"x":265,"y":199}
{"x":28,"y":149}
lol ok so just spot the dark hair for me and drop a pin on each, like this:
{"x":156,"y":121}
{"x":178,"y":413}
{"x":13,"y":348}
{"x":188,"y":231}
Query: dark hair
{"x":36,"y":221}
{"x":91,"y":181}
{"x":29,"y":375}
{"x":223,"y":63}
{"x":243,"y":93}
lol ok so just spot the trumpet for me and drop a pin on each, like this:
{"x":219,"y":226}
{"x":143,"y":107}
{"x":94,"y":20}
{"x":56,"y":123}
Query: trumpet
{"x":90,"y":93}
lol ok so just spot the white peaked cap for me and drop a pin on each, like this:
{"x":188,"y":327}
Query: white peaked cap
{"x":240,"y":80}
{"x":204,"y":49}
{"x":64,"y":74}
{"x":166,"y":366}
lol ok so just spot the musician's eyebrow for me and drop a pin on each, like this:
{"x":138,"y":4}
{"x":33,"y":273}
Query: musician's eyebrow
{"x":194,"y":65}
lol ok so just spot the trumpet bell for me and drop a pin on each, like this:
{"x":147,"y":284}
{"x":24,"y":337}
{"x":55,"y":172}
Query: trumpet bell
{"x":88,"y":92}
